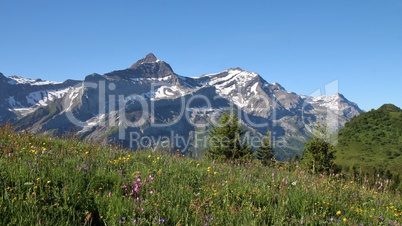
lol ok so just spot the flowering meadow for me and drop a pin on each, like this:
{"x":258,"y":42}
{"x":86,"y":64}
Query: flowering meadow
{"x":50,"y":181}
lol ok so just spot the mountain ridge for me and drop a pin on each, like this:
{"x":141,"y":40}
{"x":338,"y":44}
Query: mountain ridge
{"x":186,"y":101}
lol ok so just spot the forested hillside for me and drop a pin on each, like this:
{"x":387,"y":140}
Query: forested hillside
{"x":371,"y":143}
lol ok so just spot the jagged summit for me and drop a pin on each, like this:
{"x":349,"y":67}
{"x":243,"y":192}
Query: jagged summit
{"x":148,"y":67}
{"x":150,"y":58}
{"x":235,"y":69}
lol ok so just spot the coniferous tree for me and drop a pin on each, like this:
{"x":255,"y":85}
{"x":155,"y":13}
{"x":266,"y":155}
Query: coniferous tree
{"x":318,"y":154}
{"x":225,"y":141}
{"x":295,"y":159}
{"x":265,"y":152}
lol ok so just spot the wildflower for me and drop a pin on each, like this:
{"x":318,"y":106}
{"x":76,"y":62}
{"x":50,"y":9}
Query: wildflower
{"x":122,"y":220}
{"x":161,"y":221}
{"x":345,"y":219}
{"x":48,"y":182}
{"x":215,"y":172}
{"x":338,"y":213}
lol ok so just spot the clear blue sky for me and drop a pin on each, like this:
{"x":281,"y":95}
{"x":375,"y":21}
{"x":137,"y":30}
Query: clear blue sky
{"x":302,"y":45}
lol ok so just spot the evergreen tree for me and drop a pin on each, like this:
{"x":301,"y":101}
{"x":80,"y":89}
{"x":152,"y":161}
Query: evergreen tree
{"x":318,"y":154}
{"x":225,"y":140}
{"x":295,"y":158}
{"x":265,"y":152}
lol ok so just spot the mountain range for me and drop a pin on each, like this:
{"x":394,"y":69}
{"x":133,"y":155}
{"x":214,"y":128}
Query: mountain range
{"x":148,"y":104}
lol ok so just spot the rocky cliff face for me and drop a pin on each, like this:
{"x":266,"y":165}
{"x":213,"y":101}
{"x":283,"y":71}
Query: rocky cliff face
{"x":148,"y":104}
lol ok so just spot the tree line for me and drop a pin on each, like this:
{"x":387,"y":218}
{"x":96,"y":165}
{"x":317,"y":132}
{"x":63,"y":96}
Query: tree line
{"x":225,"y":144}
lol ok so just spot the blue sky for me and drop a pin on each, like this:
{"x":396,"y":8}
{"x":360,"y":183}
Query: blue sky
{"x":302,"y":45}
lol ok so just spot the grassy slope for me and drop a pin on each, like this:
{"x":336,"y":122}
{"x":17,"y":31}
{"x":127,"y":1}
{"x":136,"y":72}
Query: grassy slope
{"x":373,"y":141}
{"x":49,"y":181}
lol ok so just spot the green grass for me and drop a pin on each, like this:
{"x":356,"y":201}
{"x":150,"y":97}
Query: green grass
{"x":50,"y":181}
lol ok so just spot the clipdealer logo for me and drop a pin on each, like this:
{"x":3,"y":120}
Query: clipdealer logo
{"x":113,"y":106}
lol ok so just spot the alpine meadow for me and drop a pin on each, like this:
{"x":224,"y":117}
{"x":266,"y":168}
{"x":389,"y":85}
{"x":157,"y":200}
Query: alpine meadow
{"x":201,"y":113}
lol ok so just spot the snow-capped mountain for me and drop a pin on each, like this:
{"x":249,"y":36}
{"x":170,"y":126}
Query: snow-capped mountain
{"x":148,"y":103}
{"x":336,"y":103}
{"x":22,"y":96}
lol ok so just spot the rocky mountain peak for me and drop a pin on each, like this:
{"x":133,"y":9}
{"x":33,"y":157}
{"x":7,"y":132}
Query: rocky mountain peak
{"x":149,"y":67}
{"x":148,"y":59}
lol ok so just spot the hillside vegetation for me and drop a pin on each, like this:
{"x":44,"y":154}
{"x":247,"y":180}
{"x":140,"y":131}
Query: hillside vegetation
{"x":371,"y":143}
{"x":49,"y":181}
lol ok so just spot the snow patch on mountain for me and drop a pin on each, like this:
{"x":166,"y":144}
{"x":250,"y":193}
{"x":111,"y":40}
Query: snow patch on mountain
{"x":14,"y":80}
{"x":331,"y":102}
{"x":166,"y":78}
{"x":165,"y":92}
{"x":232,"y":75}
{"x":42,"y":98}
{"x":35,"y":100}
